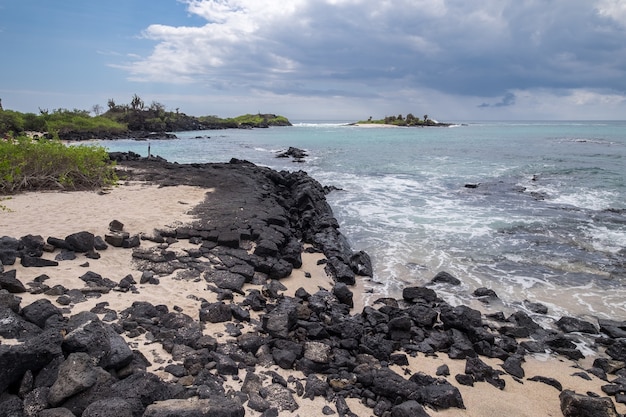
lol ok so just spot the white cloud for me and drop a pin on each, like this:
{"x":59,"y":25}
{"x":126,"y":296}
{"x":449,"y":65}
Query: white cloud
{"x":491,"y":53}
{"x":613,"y":9}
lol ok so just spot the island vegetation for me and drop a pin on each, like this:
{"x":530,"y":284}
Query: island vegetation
{"x":132,"y":120}
{"x":399,"y":120}
{"x":27,"y":164}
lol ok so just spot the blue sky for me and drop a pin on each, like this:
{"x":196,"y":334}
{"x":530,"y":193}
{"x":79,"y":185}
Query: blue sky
{"x":320,"y":59}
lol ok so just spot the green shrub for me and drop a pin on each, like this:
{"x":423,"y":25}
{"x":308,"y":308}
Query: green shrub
{"x":27,"y":164}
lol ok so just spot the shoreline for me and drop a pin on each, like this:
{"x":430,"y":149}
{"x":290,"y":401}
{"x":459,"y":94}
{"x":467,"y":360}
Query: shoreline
{"x":186,"y":207}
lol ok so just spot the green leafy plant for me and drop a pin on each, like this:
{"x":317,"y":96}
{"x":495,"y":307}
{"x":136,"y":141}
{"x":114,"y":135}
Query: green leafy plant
{"x":27,"y":164}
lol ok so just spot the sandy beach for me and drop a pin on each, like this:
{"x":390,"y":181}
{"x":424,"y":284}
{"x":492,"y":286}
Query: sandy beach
{"x":143,"y":207}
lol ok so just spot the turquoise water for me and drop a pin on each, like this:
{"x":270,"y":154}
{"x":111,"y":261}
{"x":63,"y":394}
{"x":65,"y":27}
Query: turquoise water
{"x":545,"y":223}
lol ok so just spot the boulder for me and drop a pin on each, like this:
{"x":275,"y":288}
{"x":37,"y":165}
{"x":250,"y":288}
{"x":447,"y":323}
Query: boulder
{"x":34,"y":262}
{"x":9,"y":250}
{"x":216,"y":313}
{"x":572,"y":325}
{"x":81,"y":242}
{"x":415,"y":294}
{"x":39,"y":311}
{"x":76,"y":374}
{"x":444,"y":277}
{"x":10,"y":283}
{"x":32,"y":355}
{"x":577,"y":405}
{"x":280,"y":397}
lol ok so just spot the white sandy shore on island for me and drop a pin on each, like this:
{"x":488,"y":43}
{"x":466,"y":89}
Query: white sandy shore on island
{"x":143,"y":208}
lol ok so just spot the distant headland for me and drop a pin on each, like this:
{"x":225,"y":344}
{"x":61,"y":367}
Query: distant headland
{"x":134,"y":120}
{"x":410,"y":121}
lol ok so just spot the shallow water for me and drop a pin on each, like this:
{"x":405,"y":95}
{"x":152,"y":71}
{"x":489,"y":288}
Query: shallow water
{"x":546,"y":221}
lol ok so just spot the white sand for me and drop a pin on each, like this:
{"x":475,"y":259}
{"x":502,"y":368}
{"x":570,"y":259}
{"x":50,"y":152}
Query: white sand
{"x":142,"y":208}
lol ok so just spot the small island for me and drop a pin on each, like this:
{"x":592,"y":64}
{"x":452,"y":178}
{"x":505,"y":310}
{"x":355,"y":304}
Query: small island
{"x":399,"y":120}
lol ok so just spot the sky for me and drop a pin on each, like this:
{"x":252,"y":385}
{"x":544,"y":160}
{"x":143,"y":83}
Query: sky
{"x":320,"y":59}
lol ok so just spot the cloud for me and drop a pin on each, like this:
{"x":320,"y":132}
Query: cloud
{"x":356,"y":48}
{"x":507,"y":100}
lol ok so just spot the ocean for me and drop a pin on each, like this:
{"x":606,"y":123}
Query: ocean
{"x":535,"y":211}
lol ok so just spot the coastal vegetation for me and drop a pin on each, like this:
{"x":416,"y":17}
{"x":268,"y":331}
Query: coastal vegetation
{"x":135,"y":119}
{"x":399,"y":120}
{"x":27,"y":164}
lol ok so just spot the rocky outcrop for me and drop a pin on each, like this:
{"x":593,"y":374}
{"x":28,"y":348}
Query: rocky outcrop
{"x":250,"y":235}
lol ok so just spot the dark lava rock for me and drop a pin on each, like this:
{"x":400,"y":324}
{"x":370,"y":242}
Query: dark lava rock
{"x":32,"y":355}
{"x":9,"y":282}
{"x":416,"y":294}
{"x":81,"y":242}
{"x":548,"y":381}
{"x":39,"y":311}
{"x":572,"y":324}
{"x":216,"y":313}
{"x":445,"y":278}
{"x":577,"y":405}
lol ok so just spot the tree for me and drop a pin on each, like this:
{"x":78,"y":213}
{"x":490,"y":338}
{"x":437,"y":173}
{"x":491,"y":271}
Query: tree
{"x":137,"y":103}
{"x":111,"y":104}
{"x":96,"y":109}
{"x":425,"y":118}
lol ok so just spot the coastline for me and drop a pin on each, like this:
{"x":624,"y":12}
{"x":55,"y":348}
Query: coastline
{"x":211,"y":196}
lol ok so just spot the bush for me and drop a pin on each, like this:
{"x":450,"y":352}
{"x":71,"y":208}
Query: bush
{"x":27,"y":165}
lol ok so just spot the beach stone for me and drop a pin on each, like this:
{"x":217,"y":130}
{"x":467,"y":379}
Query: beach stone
{"x":548,"y":381}
{"x":513,"y":366}
{"x":461,"y":317}
{"x":577,"y":405}
{"x":99,"y":243}
{"x":32,"y":245}
{"x":617,"y":350}
{"x":480,"y":371}
{"x":39,"y":311}
{"x":216,"y":313}
{"x":340,"y":271}
{"x":445,"y":278}
{"x":10,"y":301}
{"x":361,"y":264}
{"x":280,"y":397}
{"x":226,"y":280}
{"x":116,"y":226}
{"x":33,"y":262}
{"x":572,"y":324}
{"x":415,"y":294}
{"x":615,"y":329}
{"x":116,"y":239}
{"x":409,"y":408}
{"x":13,"y":326}
{"x":485,"y":292}
{"x":86,"y":333}
{"x":76,"y":374}
{"x":81,"y":242}
{"x":211,"y":407}
{"x":10,"y":283}
{"x":281,"y":320}
{"x":32,"y":355}
{"x":59,"y":243}
{"x":9,"y":248}
{"x":317,"y":352}
{"x":537,"y":308}
{"x":343,"y":294}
